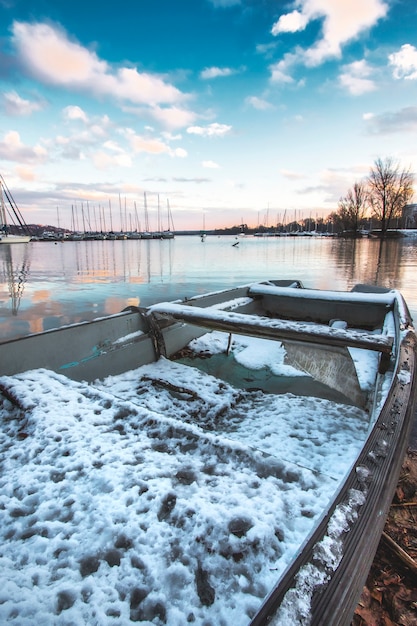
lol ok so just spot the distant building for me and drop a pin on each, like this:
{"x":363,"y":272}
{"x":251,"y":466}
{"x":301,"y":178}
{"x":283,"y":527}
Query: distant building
{"x":409,"y":216}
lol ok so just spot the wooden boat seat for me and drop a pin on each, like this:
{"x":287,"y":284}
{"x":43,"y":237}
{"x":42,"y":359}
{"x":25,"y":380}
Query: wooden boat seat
{"x":383,"y":297}
{"x":268,"y":328}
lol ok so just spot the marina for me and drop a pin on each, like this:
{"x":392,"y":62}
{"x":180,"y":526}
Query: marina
{"x":45,"y":285}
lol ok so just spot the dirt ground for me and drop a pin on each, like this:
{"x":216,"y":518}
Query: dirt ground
{"x":390,"y":595}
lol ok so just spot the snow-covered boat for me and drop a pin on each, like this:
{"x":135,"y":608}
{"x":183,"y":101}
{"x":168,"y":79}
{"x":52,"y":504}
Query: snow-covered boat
{"x":226,"y":459}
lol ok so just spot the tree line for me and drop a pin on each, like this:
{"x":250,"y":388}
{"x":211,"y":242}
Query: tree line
{"x":381,"y":196}
{"x":378,"y":199}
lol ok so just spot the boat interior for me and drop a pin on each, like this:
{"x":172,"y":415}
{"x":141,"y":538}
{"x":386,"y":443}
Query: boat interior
{"x":316,"y":328}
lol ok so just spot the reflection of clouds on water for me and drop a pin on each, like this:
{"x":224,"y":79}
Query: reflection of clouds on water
{"x":136,"y":280}
{"x":114,"y":305}
{"x":133,"y":301}
{"x":41,"y":295}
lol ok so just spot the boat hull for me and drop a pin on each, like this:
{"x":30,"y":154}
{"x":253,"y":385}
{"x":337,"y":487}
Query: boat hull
{"x":320,"y":332}
{"x":9,"y":239}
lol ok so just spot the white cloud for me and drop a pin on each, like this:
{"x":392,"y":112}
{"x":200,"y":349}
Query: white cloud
{"x":290,"y":23}
{"x":179,"y":152}
{"x":401,"y":121}
{"x":170,"y":137}
{"x":266,"y":49}
{"x":75,"y":113}
{"x":258,"y":103}
{"x":216,"y":72}
{"x":91,"y":135}
{"x":280,"y":71}
{"x":343,"y":20}
{"x":98,"y":130}
{"x":404,"y":62}
{"x":212,"y":130}
{"x":61,"y":140}
{"x":355,"y":79}
{"x":328,"y":185}
{"x":150,"y":145}
{"x":49,"y":55}
{"x":15,"y":105}
{"x":113,"y":146}
{"x":12,"y":149}
{"x":210,"y":165}
{"x":103,"y":160}
{"x":172,"y":117}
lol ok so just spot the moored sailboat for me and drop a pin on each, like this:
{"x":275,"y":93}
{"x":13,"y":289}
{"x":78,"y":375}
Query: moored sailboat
{"x":5,"y":235}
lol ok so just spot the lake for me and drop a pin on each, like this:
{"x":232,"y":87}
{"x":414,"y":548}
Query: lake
{"x":45,"y":285}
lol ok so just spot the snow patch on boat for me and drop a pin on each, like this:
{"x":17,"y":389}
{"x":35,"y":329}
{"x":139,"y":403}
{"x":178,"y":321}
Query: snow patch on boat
{"x":251,"y":352}
{"x":296,"y":606}
{"x":162,"y":495}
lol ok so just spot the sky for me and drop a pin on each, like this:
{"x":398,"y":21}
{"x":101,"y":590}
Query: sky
{"x":219,"y":112}
{"x":119,"y":504}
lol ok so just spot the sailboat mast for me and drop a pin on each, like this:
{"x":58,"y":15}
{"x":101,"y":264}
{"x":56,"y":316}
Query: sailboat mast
{"x":170,"y":219}
{"x":146,"y":212}
{"x":3,"y":223}
{"x":111,"y":217}
{"x":13,"y":206}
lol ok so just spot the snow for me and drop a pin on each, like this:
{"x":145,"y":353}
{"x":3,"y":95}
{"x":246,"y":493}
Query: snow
{"x":129,"y":337}
{"x":404,"y":376}
{"x":387,"y":298}
{"x":232,"y":304}
{"x":366,"y":364}
{"x":251,"y":352}
{"x":211,"y":314}
{"x":164,"y":495}
{"x":295,"y":608}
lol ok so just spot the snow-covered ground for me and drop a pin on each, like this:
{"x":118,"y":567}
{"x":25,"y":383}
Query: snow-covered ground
{"x":162,"y":496}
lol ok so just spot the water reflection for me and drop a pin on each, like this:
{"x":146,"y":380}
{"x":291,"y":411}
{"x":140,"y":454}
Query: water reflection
{"x":78,"y":281}
{"x":119,"y":261}
{"x":389,"y":268}
{"x":15,"y":273}
{"x":375,"y":262}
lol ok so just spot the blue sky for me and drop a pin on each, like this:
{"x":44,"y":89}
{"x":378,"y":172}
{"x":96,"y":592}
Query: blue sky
{"x":228,"y":110}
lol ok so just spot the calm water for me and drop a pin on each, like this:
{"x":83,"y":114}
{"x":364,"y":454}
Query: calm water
{"x":45,"y":285}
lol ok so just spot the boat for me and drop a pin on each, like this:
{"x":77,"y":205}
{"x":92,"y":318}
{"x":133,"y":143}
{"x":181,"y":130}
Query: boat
{"x":169,"y":232}
{"x":9,"y":238}
{"x":6,"y":237}
{"x":226,"y":458}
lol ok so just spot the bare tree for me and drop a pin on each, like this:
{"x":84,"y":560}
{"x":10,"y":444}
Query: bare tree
{"x":352,"y":207}
{"x":334,"y":219}
{"x":390,"y":189}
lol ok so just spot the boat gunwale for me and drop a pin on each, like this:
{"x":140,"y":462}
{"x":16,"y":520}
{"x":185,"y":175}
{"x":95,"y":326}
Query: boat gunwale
{"x":334,"y":602}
